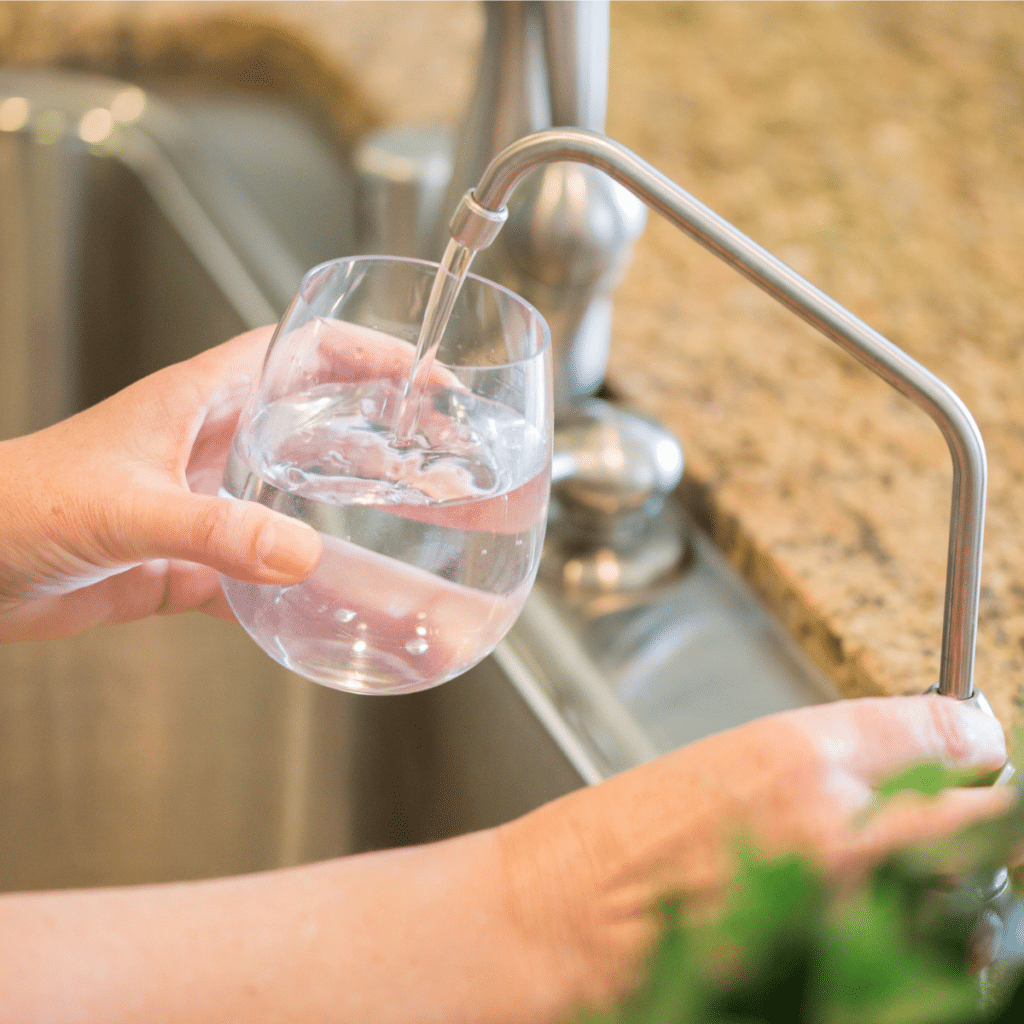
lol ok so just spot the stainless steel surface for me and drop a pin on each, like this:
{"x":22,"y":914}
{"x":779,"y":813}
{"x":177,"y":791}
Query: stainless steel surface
{"x":566,"y":247}
{"x":401,"y":176}
{"x":954,"y":420}
{"x":67,"y":305}
{"x":570,"y":230}
{"x":586,"y":553}
{"x":576,"y":46}
{"x":638,"y":673}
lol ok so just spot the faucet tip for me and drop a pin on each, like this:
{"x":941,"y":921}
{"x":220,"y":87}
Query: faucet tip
{"x":474,"y":226}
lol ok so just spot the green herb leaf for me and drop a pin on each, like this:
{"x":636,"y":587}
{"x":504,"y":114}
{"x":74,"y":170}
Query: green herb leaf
{"x":932,"y":779}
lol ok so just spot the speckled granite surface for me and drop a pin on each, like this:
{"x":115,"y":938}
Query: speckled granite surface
{"x":876,"y":148}
{"x":879,"y":150}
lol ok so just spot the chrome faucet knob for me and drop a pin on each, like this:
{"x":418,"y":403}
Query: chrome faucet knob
{"x":611,"y":460}
{"x":401,"y":174}
{"x":614,"y":528}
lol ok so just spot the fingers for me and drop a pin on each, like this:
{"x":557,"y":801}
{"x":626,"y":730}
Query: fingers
{"x":877,"y":736}
{"x":912,"y":819}
{"x":336,"y":350}
{"x":240,"y":538}
{"x":158,"y":587}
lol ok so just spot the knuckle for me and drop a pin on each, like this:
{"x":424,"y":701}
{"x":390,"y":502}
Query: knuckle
{"x":947,"y":727}
{"x":809,"y":743}
{"x":215,"y":525}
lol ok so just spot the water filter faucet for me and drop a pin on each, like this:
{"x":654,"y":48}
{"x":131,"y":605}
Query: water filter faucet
{"x":478,"y":220}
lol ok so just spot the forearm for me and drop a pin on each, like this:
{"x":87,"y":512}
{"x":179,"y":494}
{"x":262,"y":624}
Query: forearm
{"x":423,"y":934}
{"x":523,"y":923}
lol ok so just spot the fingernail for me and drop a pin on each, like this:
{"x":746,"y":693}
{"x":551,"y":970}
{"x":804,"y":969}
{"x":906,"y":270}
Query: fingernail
{"x":289,"y":548}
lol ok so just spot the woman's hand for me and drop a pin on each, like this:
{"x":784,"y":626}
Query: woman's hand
{"x":111,"y":516}
{"x":586,"y":871}
{"x":521,"y":924}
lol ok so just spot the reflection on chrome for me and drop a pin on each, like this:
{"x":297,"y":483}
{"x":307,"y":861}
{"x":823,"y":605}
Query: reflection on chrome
{"x":14,"y":113}
{"x":95,"y":125}
{"x":127,"y":106}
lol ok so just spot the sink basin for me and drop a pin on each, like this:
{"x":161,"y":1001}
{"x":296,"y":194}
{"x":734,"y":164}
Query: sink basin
{"x":173,"y":748}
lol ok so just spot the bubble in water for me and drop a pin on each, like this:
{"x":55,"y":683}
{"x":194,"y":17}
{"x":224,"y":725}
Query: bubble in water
{"x":359,"y":646}
{"x":457,"y":434}
{"x":295,"y":477}
{"x":421,"y":631}
{"x":418,"y":646}
{"x":398,"y":608}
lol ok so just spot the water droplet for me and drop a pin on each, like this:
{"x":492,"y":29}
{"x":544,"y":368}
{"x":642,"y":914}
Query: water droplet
{"x":362,"y":625}
{"x":359,"y":646}
{"x":418,"y":646}
{"x":421,"y":631}
{"x":344,"y":615}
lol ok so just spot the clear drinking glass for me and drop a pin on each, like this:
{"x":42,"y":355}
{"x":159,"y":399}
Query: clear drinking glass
{"x":431,"y":544}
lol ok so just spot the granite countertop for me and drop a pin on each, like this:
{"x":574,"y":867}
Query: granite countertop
{"x":878,"y":149}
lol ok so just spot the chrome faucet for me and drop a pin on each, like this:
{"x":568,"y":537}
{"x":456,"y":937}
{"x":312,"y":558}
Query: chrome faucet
{"x":570,"y":228}
{"x":478,"y":220}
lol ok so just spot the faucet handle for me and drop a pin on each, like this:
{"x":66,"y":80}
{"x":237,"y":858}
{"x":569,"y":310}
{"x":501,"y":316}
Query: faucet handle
{"x":614,"y":526}
{"x":612,"y":460}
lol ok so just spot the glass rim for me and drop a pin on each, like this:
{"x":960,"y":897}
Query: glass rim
{"x":434,"y":266}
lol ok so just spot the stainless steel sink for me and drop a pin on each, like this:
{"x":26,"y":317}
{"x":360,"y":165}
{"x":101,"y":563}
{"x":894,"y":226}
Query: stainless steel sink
{"x":174,"y":748}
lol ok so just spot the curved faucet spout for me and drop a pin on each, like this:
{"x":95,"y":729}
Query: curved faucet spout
{"x":476,"y":222}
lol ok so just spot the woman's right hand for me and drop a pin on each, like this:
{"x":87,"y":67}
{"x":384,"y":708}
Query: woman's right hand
{"x":586,"y":871}
{"x":521,"y":924}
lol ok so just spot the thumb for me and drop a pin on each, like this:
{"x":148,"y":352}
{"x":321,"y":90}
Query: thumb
{"x":239,"y":538}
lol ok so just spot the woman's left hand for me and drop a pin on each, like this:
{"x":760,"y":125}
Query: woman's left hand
{"x":111,"y":515}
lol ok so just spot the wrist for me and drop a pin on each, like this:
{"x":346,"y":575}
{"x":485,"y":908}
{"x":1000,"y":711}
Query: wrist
{"x":583,"y":914}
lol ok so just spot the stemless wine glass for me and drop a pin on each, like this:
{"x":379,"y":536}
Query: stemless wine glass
{"x":431,"y":542}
